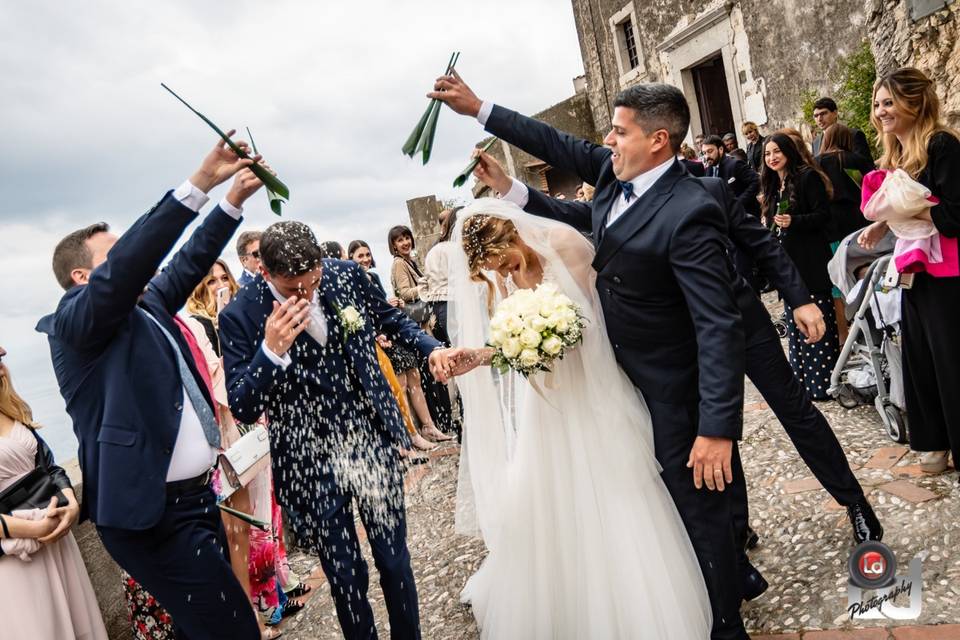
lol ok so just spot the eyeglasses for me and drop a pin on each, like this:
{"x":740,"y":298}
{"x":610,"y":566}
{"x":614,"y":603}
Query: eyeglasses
{"x":253,"y":254}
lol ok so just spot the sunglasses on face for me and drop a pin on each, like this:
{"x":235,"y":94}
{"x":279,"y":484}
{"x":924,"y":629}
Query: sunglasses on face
{"x":253,"y":254}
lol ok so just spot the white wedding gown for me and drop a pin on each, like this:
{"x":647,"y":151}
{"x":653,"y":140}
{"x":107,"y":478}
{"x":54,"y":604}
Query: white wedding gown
{"x":584,"y":540}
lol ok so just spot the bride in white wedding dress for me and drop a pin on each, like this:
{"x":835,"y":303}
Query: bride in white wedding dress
{"x":557,"y":473}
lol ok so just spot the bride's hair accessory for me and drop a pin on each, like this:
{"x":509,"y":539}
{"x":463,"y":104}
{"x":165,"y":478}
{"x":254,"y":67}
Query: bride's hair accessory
{"x":485,"y":236}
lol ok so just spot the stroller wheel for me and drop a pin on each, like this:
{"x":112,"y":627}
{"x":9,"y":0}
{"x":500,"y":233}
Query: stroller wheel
{"x":847,"y":397}
{"x":895,"y":423}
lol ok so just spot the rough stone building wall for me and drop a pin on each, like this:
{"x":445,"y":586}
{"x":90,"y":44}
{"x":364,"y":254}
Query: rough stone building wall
{"x":930,"y":44}
{"x":573,"y":115}
{"x":777,"y":49}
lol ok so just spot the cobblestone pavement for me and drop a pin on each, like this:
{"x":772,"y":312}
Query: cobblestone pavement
{"x":803,"y":552}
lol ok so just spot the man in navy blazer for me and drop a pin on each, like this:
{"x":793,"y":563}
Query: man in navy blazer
{"x":664,"y":284}
{"x":298,"y":344}
{"x":140,"y":408}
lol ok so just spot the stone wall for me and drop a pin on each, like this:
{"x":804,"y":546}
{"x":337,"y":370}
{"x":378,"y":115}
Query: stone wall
{"x":574,"y":116}
{"x":930,"y":44}
{"x":773,"y":49}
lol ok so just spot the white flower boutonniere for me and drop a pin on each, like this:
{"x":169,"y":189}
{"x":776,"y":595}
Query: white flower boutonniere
{"x":351,"y":319}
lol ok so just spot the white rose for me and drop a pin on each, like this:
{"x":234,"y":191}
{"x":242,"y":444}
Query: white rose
{"x":350,"y":315}
{"x":529,"y":357}
{"x":511,"y":347}
{"x":530,"y":338}
{"x":497,"y":322}
{"x":538,"y":323}
{"x":562,"y":326}
{"x":513,"y":324}
{"x":552,"y":345}
{"x":497,"y":336}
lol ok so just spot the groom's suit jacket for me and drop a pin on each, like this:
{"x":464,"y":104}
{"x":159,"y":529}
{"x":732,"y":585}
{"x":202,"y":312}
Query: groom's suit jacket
{"x":324,"y":384}
{"x":115,"y":368}
{"x":662,"y":275}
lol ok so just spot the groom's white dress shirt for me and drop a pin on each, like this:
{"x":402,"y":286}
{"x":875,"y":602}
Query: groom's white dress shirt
{"x":317,"y":329}
{"x":519,"y":193}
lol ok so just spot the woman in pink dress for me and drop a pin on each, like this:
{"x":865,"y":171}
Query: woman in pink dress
{"x":45,"y":593}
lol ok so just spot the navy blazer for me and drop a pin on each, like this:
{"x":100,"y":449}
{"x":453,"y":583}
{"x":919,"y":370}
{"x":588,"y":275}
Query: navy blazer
{"x":256,"y":385}
{"x":114,"y":366}
{"x":662,"y":274}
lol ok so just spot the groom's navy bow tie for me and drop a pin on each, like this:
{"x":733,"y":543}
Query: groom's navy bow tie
{"x":627,"y":188}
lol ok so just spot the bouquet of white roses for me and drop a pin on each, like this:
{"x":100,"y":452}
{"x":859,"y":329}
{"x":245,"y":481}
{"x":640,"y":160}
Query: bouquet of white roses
{"x":533,"y":327}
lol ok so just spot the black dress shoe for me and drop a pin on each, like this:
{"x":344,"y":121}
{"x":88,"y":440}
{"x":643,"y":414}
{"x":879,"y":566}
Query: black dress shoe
{"x":754,"y":583}
{"x":753,"y":539}
{"x":864,"y":522}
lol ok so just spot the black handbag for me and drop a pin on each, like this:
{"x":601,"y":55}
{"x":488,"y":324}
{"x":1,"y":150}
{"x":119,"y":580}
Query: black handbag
{"x":32,"y":491}
{"x":418,"y":311}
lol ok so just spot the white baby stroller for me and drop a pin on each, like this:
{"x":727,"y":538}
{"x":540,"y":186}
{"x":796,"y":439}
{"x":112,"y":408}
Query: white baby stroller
{"x":870,"y":367}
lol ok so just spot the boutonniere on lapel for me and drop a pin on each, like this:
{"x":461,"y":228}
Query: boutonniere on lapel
{"x":731,"y":180}
{"x":350,"y":319}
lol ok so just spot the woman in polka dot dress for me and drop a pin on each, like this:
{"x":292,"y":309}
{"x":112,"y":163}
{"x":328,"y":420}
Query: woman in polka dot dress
{"x":796,"y":199}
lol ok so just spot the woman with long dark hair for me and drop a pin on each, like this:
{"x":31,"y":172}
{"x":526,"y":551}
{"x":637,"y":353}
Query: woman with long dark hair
{"x":906,"y":115}
{"x":796,"y":205}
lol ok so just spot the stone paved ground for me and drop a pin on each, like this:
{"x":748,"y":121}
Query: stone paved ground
{"x":805,"y":539}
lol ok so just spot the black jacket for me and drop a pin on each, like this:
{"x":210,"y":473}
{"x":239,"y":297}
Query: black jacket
{"x":941,"y":177}
{"x":845,"y":215}
{"x":755,"y":153}
{"x":860,"y":145}
{"x":806,"y":238}
{"x":742,"y":180}
{"x":662,"y":275}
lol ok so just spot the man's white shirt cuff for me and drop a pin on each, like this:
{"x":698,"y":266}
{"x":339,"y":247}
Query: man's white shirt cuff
{"x":190,"y":197}
{"x":283,"y":362}
{"x":230,"y":210}
{"x":519,"y":193}
{"x":484,"y":113}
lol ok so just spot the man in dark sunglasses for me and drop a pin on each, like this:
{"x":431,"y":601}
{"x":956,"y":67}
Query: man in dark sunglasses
{"x":248,"y":249}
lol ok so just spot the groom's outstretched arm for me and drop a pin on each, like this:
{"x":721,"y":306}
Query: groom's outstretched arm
{"x":699,"y":263}
{"x":390,"y":320}
{"x":539,"y":139}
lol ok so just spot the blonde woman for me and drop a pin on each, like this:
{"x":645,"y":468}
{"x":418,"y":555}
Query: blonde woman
{"x":906,"y":116}
{"x":47,"y":594}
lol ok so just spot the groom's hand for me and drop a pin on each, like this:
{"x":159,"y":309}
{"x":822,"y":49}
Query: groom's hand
{"x":710,"y":459}
{"x":456,"y":94}
{"x":287,"y":321}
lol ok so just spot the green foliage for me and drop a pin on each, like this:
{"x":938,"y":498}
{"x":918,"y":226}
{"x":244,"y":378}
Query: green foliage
{"x":807,"y":98}
{"x":853,"y":79}
{"x":857,"y":74}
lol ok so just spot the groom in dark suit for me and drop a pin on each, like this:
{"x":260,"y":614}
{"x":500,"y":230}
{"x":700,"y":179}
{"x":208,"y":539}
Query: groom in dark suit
{"x":667,"y":301}
{"x":298,"y":344}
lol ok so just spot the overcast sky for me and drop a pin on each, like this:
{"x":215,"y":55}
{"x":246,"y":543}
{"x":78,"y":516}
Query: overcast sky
{"x":330,"y":90}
